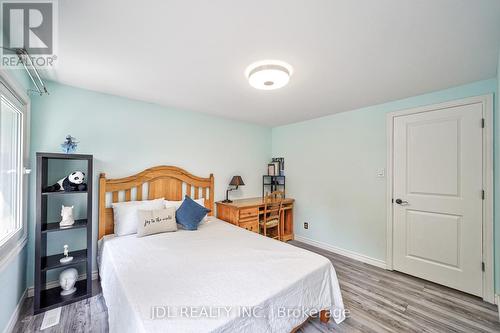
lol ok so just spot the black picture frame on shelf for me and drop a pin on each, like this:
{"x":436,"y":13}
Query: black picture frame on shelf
{"x":276,"y":168}
{"x":281,"y":168}
{"x":271,"y":169}
{"x":49,"y":298}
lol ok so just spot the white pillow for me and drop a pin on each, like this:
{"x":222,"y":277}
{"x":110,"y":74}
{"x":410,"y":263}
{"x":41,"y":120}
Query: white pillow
{"x":126,"y":214}
{"x":177,"y":204}
{"x":156,"y":221}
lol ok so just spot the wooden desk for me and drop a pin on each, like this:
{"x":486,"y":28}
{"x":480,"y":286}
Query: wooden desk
{"x":245,"y":213}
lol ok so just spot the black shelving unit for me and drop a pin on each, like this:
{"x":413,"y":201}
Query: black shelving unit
{"x":50,"y":298}
{"x":273,"y":183}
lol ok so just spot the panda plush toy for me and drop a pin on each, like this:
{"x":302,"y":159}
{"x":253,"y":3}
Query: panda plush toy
{"x":73,"y":182}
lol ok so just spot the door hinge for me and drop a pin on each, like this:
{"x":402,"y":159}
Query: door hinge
{"x":483,"y":122}
{"x":482,"y":266}
{"x":482,"y":194}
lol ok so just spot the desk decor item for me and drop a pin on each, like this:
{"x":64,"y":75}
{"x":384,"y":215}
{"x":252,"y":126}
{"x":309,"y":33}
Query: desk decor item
{"x":236,"y":181}
{"x":276,"y":168}
{"x":280,"y":165}
{"x":67,"y":280}
{"x":66,"y":257}
{"x":69,"y":145}
{"x":271,"y":169}
{"x":66,"y":216}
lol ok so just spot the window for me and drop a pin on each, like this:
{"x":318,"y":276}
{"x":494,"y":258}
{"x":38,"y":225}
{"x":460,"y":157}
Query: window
{"x":10,"y":168}
{"x":13,"y":151}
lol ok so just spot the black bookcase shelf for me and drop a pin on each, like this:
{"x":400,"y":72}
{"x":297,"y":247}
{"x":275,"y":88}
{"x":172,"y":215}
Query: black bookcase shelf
{"x":54,"y":226}
{"x":52,"y":262}
{"x":273,"y":183}
{"x":51,"y":298}
{"x":63,"y":193}
{"x":46,"y":299}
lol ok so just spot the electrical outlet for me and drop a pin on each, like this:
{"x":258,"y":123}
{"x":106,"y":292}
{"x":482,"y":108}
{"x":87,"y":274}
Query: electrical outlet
{"x":306,"y":225}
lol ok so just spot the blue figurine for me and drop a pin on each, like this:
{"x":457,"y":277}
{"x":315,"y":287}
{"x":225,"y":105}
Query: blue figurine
{"x":69,"y":145}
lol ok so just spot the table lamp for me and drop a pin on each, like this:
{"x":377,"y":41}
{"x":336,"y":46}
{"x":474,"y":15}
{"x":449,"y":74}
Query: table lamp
{"x":236,"y":181}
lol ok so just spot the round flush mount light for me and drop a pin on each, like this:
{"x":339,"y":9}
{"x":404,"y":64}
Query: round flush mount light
{"x":268,"y":74}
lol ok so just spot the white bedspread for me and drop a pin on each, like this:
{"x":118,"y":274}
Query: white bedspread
{"x":219,"y":278}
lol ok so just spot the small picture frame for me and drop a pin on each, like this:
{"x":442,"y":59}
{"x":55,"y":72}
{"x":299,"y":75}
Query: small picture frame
{"x":276,"y":168}
{"x":281,"y":168}
{"x":271,"y":169}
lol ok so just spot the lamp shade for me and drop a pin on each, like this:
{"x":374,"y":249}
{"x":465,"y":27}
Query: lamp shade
{"x":237,"y":181}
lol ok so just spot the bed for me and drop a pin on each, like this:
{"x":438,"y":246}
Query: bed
{"x":220,"y":278}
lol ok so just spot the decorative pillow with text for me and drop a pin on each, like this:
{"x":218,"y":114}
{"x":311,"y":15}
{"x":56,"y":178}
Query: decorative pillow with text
{"x":156,"y":221}
{"x":125,"y":214}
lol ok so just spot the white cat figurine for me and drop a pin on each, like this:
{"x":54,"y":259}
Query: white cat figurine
{"x":67,"y":216}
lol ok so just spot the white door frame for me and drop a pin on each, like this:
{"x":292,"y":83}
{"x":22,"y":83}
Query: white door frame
{"x":487,"y":101}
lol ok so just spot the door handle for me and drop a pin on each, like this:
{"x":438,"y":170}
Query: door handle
{"x":401,"y":202}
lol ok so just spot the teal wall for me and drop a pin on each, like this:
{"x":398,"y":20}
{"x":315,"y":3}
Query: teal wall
{"x":13,"y":274}
{"x":13,"y":284}
{"x":331,"y":167}
{"x":127,"y":136}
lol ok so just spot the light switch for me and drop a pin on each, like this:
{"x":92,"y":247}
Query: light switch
{"x":381,"y":173}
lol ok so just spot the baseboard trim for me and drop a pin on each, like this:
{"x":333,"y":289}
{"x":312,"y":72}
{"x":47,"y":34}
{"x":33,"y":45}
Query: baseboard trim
{"x":53,"y":284}
{"x":15,"y":315}
{"x":346,"y":253}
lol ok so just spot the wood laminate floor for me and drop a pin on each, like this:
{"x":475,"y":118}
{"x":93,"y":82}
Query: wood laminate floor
{"x":378,"y":301}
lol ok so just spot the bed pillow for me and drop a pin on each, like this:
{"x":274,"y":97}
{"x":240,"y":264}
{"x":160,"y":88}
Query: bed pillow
{"x":190,"y":214}
{"x":125,"y":214}
{"x":156,"y":221}
{"x":177,"y":205}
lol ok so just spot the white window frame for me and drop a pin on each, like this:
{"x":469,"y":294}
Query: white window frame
{"x":17,"y":241}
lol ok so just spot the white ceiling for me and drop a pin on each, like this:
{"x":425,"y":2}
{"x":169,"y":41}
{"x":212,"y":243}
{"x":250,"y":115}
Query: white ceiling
{"x":346,"y":54}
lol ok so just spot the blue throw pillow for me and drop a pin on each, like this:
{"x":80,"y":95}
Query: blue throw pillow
{"x":190,"y":214}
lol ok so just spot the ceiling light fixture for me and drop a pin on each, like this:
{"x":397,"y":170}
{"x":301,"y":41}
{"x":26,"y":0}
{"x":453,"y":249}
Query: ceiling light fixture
{"x":268,"y":74}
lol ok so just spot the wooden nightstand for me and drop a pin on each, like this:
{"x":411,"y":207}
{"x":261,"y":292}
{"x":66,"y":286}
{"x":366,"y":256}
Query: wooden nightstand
{"x":245,"y":213}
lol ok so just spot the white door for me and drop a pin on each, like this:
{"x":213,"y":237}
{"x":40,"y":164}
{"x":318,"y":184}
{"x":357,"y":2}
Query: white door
{"x":437,"y":214}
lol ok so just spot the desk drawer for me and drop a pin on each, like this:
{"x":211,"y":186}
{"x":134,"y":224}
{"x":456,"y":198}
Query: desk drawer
{"x":253,"y":219}
{"x":250,"y":226}
{"x":249,"y":212}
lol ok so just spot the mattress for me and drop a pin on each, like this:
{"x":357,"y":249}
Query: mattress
{"x":220,"y":278}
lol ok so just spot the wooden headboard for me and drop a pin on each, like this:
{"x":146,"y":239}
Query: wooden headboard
{"x":168,"y":182}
